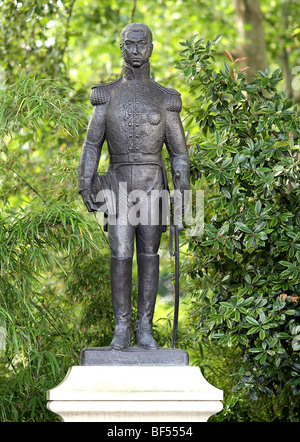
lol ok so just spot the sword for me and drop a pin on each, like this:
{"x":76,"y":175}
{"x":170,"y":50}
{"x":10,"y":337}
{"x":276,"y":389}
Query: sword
{"x":174,"y":231}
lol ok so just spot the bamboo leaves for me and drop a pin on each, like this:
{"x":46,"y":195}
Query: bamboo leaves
{"x":31,"y":103}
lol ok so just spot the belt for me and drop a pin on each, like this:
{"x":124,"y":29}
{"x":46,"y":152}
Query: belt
{"x":136,"y":157}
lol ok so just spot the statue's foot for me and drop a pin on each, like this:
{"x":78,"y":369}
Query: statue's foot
{"x":144,"y":339}
{"x":122,"y":338}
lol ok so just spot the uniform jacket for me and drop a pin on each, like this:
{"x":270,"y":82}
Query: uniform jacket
{"x":136,"y":116}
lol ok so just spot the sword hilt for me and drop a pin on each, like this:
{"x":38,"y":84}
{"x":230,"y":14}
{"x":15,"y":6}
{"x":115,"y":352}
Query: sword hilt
{"x":177,"y":179}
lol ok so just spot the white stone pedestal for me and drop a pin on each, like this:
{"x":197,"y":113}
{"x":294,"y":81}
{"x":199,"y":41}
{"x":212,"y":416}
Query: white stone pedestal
{"x":134,"y":394}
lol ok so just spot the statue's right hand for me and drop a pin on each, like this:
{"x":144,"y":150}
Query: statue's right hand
{"x":88,"y":201}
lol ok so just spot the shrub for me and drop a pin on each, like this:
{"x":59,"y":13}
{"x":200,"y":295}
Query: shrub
{"x":247,"y":263}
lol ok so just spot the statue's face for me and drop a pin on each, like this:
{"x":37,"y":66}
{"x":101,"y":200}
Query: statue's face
{"x":136,"y":49}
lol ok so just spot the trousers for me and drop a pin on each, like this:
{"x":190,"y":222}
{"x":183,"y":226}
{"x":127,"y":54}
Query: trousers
{"x":121,"y":239}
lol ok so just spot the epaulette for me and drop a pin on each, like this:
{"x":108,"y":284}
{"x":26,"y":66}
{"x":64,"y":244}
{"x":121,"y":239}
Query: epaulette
{"x":173,"y":101}
{"x":100,"y":93}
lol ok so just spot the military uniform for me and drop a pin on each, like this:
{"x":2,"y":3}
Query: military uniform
{"x":136,"y":116}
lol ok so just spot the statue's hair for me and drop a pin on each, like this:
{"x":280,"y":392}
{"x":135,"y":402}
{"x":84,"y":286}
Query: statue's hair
{"x":137,"y":27}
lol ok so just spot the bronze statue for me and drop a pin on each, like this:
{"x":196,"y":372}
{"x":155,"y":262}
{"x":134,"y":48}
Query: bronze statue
{"x":136,"y":116}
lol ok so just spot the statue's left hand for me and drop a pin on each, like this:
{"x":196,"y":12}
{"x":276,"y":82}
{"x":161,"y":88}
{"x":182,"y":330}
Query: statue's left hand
{"x":88,"y":201}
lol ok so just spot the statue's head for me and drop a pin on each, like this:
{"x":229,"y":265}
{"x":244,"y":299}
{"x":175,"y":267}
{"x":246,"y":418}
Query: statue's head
{"x":136,"y":44}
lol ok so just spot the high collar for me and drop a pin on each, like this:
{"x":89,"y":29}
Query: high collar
{"x":141,"y":73}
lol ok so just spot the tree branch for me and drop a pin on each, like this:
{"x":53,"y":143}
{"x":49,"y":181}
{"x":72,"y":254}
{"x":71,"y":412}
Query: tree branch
{"x":133,"y":11}
{"x":66,"y":34}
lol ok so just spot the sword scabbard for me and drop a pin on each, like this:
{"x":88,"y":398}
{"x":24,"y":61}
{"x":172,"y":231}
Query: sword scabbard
{"x":175,"y":230}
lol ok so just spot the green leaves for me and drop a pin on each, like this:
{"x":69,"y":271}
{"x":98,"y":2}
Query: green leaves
{"x":243,"y":227}
{"x":251,"y":320}
{"x":244,"y":150}
{"x":32,"y":103}
{"x":258,"y":206}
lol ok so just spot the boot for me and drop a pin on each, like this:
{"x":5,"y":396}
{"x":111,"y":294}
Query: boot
{"x":148,"y":273}
{"x":121,"y":281}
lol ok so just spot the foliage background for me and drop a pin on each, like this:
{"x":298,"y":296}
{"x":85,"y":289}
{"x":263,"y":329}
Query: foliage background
{"x":54,"y":257}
